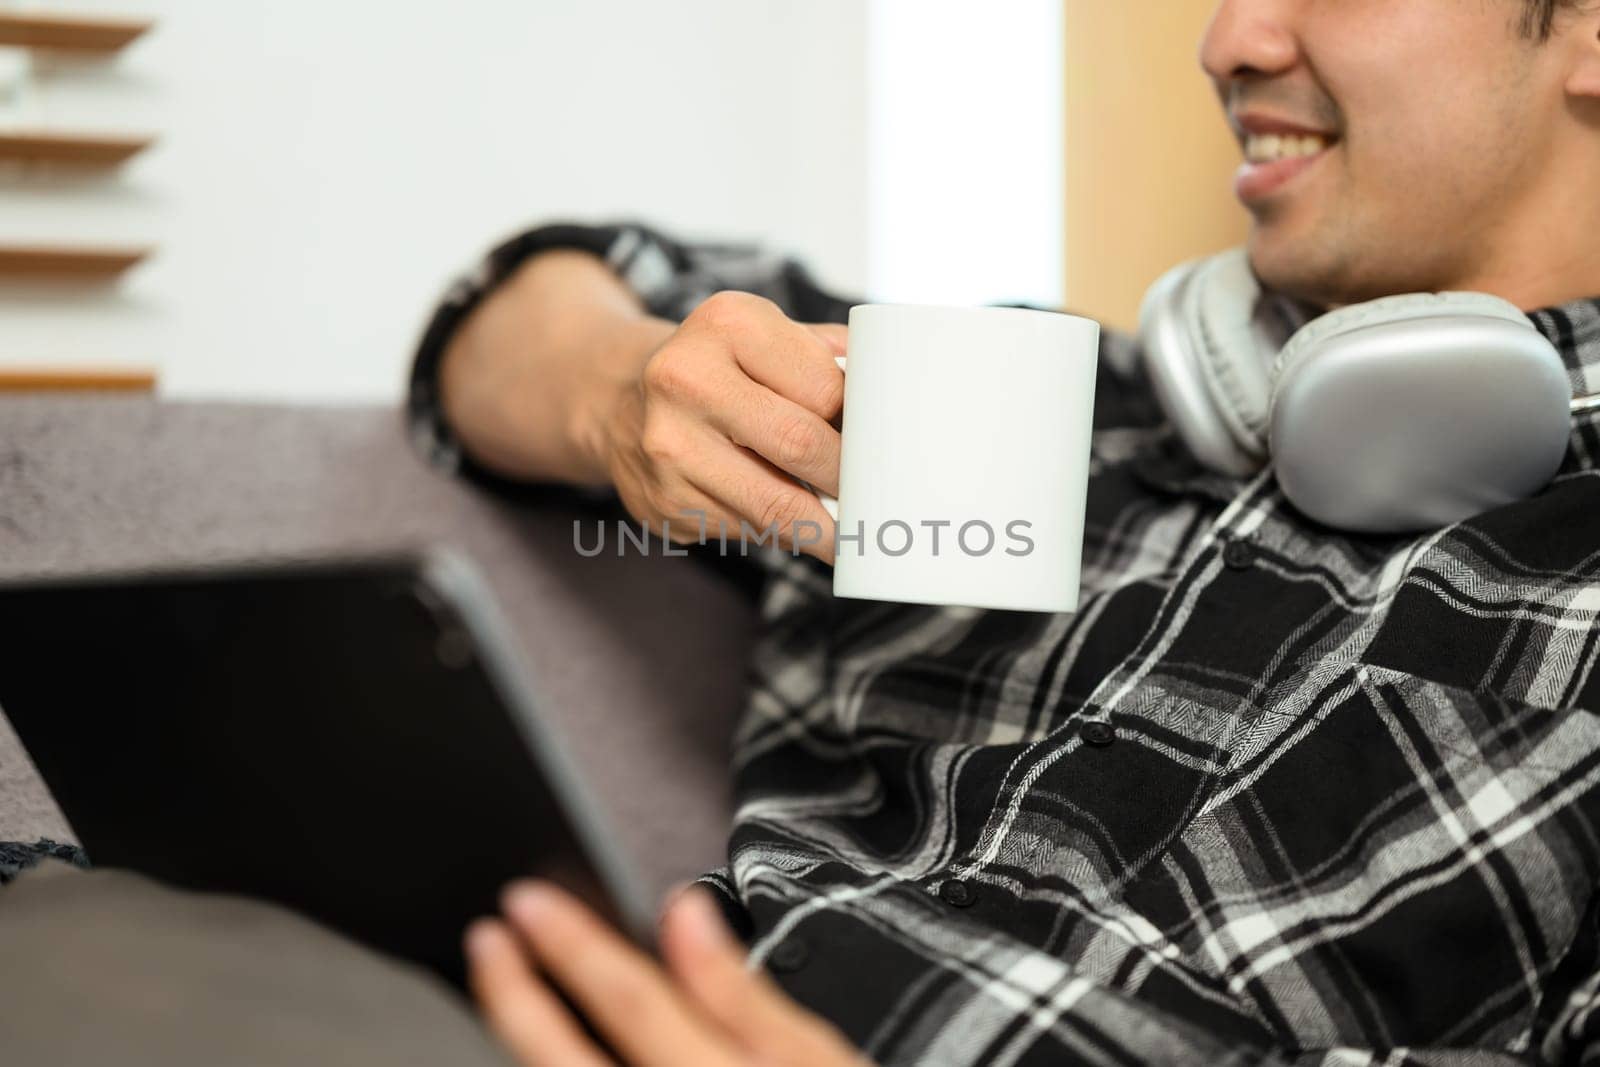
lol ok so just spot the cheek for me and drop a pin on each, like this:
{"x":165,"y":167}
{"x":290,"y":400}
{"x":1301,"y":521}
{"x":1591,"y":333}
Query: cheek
{"x":1418,"y":155}
{"x":1436,"y":120}
{"x":1410,"y":79}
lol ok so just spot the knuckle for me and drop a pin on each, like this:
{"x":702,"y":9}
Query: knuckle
{"x":781,"y":510}
{"x":827,"y":397}
{"x":669,"y":374}
{"x":729,"y":310}
{"x":796,"y":444}
{"x":660,"y":442}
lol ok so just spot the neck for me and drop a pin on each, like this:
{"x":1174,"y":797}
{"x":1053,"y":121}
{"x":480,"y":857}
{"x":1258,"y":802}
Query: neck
{"x":1548,"y":252}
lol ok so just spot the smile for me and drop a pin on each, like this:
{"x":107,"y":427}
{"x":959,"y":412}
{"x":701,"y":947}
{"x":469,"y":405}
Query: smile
{"x":1273,"y":160}
{"x":1272,"y":147}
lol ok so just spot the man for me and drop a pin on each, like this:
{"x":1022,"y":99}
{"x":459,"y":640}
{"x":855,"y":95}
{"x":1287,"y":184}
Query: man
{"x":1339,"y":801}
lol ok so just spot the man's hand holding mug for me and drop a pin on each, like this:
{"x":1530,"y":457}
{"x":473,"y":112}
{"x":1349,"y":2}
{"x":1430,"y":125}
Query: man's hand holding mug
{"x":731,"y":413}
{"x":949,"y":466}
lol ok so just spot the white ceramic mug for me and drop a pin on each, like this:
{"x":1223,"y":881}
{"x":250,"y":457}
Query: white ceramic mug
{"x":965,"y":456}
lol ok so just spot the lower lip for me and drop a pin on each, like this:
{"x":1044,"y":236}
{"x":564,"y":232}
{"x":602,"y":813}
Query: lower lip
{"x":1257,"y":181}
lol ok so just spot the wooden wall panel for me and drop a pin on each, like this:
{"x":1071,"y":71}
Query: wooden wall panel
{"x":1150,"y":160}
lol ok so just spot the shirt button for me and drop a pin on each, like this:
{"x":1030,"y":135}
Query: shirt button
{"x":1098,"y":732}
{"x":957,"y":894}
{"x":788,"y":955}
{"x":1239,"y":554}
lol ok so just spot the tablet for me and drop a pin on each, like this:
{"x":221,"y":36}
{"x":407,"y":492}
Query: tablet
{"x":355,"y":740}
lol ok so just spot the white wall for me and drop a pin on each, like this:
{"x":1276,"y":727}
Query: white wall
{"x":965,"y":151}
{"x":326,"y":165}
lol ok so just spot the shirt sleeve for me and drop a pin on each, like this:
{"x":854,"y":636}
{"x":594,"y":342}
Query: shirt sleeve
{"x":670,"y":276}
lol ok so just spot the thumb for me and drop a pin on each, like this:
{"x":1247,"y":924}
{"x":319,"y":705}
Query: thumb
{"x":836,"y":334}
{"x":748,"y":1006}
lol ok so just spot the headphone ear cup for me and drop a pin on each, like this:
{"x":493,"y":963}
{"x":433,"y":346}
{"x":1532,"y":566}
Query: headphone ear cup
{"x":1229,"y":349}
{"x":1413,"y":412}
{"x":1382,"y":312}
{"x":1205,"y":361}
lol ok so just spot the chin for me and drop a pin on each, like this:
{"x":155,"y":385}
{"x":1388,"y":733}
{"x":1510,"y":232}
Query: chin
{"x":1320,"y":271}
{"x":1296,"y":268}
{"x":1331,"y":265}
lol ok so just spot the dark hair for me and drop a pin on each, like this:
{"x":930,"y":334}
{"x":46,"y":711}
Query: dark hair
{"x":1539,"y":16}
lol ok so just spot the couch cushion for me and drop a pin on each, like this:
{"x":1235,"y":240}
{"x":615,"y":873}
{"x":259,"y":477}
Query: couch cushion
{"x":106,"y":967}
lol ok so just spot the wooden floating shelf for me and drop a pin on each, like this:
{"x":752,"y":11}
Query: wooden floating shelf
{"x":77,"y":379}
{"x":62,"y":33}
{"x":63,"y":263}
{"x":69,"y":149}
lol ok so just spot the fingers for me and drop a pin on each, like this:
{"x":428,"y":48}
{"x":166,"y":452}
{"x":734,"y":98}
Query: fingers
{"x":744,"y":486}
{"x":746,"y":1004}
{"x":710,"y":1011}
{"x":521,"y":1010}
{"x":693,"y":391}
{"x":837,"y":335}
{"x":662,"y":496}
{"x":794,"y":360}
{"x":713,"y":490}
{"x":785,"y":434}
{"x":622,"y":993}
{"x":731,"y":413}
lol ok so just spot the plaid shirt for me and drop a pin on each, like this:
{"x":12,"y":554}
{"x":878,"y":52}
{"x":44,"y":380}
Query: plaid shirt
{"x":1274,"y":793}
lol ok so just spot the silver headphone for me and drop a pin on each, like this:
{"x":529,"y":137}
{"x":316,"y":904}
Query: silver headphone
{"x":1403,"y":414}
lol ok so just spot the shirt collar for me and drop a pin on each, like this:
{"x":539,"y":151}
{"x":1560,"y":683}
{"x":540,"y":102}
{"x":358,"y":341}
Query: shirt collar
{"x":1575,"y":331}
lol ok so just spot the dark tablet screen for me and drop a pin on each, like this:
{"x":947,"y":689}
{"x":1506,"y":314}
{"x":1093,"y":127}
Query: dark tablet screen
{"x":344,"y":739}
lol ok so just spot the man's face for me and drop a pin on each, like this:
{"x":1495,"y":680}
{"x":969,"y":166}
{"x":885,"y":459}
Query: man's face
{"x":1389,"y":143}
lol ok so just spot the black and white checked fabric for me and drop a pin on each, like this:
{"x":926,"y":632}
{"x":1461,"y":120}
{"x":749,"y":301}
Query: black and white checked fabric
{"x":1273,"y":794}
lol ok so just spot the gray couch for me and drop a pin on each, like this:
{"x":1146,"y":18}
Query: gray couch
{"x":641,"y":658}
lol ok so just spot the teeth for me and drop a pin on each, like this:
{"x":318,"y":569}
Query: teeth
{"x":1272,"y":147}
